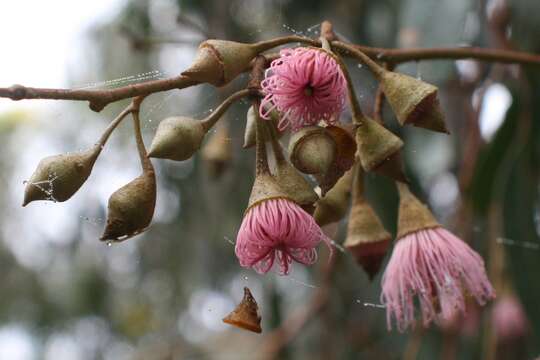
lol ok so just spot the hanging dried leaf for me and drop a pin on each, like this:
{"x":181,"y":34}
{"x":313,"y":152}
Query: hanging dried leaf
{"x":246,"y":314}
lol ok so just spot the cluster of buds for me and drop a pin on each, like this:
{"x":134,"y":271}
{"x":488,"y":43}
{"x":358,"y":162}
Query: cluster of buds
{"x":305,"y":90}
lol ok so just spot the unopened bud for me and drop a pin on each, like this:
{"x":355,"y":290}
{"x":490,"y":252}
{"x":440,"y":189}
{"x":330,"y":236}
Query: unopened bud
{"x":177,"y":138}
{"x":58,"y":177}
{"x":131,"y":208}
{"x":219,"y":61}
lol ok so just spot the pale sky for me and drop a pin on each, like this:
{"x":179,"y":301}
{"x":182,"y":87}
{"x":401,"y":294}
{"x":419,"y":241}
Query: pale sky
{"x":40,"y":38}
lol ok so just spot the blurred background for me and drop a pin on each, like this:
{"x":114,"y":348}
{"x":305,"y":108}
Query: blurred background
{"x":162,"y":295}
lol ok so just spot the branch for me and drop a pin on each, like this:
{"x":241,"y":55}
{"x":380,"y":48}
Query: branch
{"x":449,"y":53}
{"x":98,"y":98}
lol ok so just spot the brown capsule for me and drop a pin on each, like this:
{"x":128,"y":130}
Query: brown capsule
{"x":217,"y":152}
{"x":177,"y":138}
{"x":131,"y":208}
{"x":58,"y":177}
{"x":312,"y":150}
{"x":412,"y":214}
{"x":333,"y":206}
{"x":246,"y":314}
{"x":376,"y":144}
{"x":413,"y":101}
{"x":344,"y":159}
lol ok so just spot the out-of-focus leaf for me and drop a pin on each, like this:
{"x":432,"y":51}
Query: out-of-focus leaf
{"x":520,"y":211}
{"x":490,"y":159}
{"x":524,"y":258}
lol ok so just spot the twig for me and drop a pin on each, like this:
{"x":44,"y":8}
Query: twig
{"x":98,"y":98}
{"x":450,"y":53}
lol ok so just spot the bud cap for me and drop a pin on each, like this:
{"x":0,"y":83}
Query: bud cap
{"x":131,"y":208}
{"x":412,"y":214}
{"x":177,"y":138}
{"x":58,"y":177}
{"x":376,"y":144}
{"x":413,"y":101}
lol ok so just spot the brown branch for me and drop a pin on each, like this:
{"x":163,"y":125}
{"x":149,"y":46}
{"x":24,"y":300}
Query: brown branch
{"x":449,"y":53}
{"x":98,"y":98}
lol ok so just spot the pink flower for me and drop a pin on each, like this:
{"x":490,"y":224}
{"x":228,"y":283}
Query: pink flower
{"x":306,"y":86}
{"x":436,"y":267}
{"x":509,"y":319}
{"x":277,"y":228}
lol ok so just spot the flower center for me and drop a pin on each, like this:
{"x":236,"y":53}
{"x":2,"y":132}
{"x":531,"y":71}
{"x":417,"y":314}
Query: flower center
{"x":308,"y":90}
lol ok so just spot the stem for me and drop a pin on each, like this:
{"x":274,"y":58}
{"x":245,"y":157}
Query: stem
{"x":146,"y":164}
{"x":112,"y":126}
{"x":211,"y":120}
{"x":356,"y":110}
{"x":261,"y":159}
{"x":276,"y":146}
{"x":358,"y":184}
{"x":268,"y":44}
{"x":377,"y":70}
{"x":326,"y":29}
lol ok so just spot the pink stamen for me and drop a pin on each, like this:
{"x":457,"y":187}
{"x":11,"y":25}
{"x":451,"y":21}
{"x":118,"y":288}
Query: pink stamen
{"x":436,"y":267}
{"x":277,"y":229}
{"x":305,"y":86}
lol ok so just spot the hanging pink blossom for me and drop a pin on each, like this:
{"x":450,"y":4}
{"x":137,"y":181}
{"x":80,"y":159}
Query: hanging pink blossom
{"x":436,"y":267}
{"x":277,"y":229}
{"x":306,"y":86}
{"x":509,"y":319}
